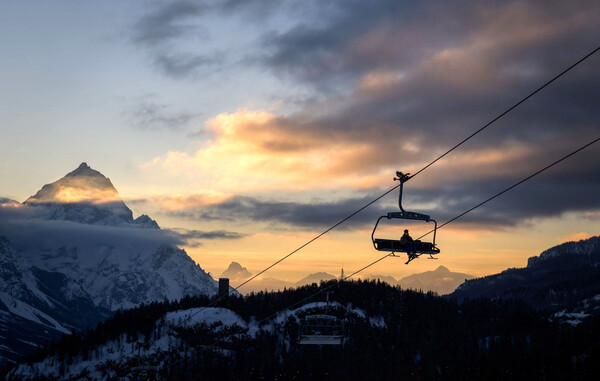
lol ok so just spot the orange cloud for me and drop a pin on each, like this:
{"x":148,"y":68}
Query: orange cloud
{"x":379,"y":81}
{"x":260,"y":151}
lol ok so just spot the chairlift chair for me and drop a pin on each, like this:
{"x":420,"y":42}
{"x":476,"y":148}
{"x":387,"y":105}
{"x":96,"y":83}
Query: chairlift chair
{"x":393,"y":246}
{"x":321,"y":330}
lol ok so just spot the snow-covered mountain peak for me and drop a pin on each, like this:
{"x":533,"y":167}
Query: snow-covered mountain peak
{"x":84,"y":170}
{"x":85,"y":196}
{"x":83,"y":185}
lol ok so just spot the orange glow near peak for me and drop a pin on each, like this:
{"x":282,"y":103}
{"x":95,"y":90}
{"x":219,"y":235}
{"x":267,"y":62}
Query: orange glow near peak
{"x":68,"y":194}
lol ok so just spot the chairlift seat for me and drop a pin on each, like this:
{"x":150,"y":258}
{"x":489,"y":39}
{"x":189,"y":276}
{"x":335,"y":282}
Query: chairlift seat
{"x":396,"y":246}
{"x":321,"y":329}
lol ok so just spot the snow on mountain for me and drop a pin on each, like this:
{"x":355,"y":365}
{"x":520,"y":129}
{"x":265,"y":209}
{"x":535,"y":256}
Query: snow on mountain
{"x":327,"y":307}
{"x":76,"y":252}
{"x":202,"y":315}
{"x":168,"y":343}
{"x":37,"y":306}
{"x":85,"y":231}
{"x":19,"y":290}
{"x":146,"y":222}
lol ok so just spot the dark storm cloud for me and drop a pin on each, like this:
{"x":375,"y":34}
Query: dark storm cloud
{"x":152,"y":116}
{"x":548,"y":195}
{"x":565,"y":188}
{"x":322,"y":45}
{"x":454,"y":74}
{"x":424,"y":77}
{"x":414,"y":78}
{"x":308,"y":215}
{"x":350,"y":38}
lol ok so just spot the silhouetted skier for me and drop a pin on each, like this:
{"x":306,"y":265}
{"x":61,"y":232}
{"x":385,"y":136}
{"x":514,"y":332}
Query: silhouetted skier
{"x":407,"y":240}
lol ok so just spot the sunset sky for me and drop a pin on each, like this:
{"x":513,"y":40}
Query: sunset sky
{"x":251,"y":126}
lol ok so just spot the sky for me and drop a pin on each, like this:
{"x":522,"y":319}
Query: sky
{"x":249,"y":127}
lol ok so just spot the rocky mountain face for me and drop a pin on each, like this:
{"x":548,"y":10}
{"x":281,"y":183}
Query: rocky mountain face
{"x":72,"y":254}
{"x":37,"y":306}
{"x":563,"y":278}
{"x":235,"y":271}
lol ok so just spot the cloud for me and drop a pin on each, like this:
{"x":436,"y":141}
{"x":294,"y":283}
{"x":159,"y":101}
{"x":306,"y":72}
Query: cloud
{"x":272,"y":151}
{"x":191,"y":238}
{"x":306,"y":215}
{"x":7,"y":202}
{"x":163,"y":33}
{"x":166,"y":23}
{"x":549,"y":195}
{"x":177,"y":202}
{"x":154,"y":116}
{"x":182,"y":65}
{"x":351,"y":38}
{"x":410,"y":82}
{"x":21,"y":224}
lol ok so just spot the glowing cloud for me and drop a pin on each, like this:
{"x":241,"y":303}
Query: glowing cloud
{"x":258,"y":150}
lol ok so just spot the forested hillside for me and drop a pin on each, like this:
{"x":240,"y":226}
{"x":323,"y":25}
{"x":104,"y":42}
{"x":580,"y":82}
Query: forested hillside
{"x":389,"y":334}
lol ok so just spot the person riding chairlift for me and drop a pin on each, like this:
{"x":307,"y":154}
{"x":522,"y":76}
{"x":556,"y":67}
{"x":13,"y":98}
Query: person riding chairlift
{"x":407,"y":240}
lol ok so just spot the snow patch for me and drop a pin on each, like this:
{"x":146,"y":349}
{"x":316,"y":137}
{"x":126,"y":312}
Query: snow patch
{"x":28,"y":312}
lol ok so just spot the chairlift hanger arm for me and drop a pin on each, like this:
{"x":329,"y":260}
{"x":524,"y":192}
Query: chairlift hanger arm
{"x":402,"y":177}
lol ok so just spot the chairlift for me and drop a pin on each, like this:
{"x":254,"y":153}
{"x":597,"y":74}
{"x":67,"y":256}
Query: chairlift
{"x":321,"y":329}
{"x":413,"y":249}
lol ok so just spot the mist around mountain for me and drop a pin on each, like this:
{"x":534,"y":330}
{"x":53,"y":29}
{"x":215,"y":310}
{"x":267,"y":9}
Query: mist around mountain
{"x":562,"y":279}
{"x":73,"y":253}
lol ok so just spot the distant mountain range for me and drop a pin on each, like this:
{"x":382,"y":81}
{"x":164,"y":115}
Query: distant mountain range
{"x":563,"y":278}
{"x":441,"y":280}
{"x":72,"y":254}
